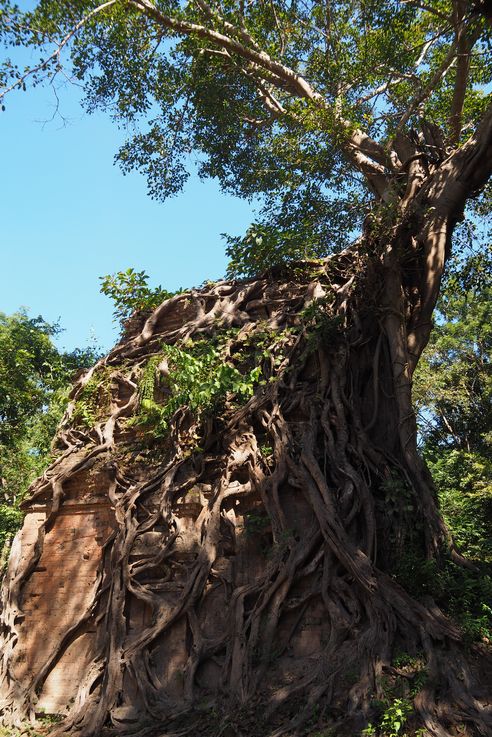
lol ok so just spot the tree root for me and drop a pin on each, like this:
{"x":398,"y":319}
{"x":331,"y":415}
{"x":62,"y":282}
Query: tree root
{"x":278,"y":598}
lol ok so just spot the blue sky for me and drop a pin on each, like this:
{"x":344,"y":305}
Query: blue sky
{"x":68,"y":216}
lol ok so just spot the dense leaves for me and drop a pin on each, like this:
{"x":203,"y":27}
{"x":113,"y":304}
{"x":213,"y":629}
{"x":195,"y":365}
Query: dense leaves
{"x":453,"y":394}
{"x":453,"y":397}
{"x":165,"y":73}
{"x":34,"y":381}
{"x":30,"y":367}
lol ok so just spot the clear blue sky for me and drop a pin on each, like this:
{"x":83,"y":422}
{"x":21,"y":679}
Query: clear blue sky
{"x":68,"y":216}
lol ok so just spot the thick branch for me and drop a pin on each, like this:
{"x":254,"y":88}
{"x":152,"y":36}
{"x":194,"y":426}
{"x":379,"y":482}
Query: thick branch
{"x":366,"y":155}
{"x":292,"y":80}
{"x":464,"y":46}
{"x":464,"y":173}
{"x":241,"y":32}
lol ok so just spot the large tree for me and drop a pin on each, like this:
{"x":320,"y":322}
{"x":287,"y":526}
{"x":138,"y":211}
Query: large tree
{"x":341,"y":116}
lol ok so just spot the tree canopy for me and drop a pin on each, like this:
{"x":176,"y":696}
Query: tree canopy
{"x":301,"y":103}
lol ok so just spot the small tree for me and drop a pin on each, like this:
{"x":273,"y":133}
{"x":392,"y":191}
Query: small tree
{"x":130,"y":293}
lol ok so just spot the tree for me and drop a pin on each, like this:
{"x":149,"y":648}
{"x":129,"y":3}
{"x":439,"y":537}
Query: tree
{"x":453,"y":395}
{"x":342,"y":116}
{"x":34,"y":384}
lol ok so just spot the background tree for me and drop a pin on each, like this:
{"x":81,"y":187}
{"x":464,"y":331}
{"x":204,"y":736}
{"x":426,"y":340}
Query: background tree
{"x":343,"y":117}
{"x":453,"y":395}
{"x":34,"y":385}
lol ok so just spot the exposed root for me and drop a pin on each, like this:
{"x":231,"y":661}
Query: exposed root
{"x":290,"y":484}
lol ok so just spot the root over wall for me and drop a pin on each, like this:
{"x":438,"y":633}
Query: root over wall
{"x":232,"y":568}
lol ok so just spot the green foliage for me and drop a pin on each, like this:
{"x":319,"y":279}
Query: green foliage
{"x":402,"y":660}
{"x":30,"y":368}
{"x":265,"y":244}
{"x":393,"y":719}
{"x":257,"y":523}
{"x":34,"y":384}
{"x":322,"y":326}
{"x":94,"y":399}
{"x":453,"y":394}
{"x":464,"y":594}
{"x":34,"y":379}
{"x":464,"y":481}
{"x":199,"y":377}
{"x":179,"y":92}
{"x":397,"y":497}
{"x":40,"y":728}
{"x":453,"y":383}
{"x":10,"y":519}
{"x":130,"y":293}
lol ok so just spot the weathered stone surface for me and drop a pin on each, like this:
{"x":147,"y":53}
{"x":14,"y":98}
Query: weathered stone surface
{"x":57,"y":597}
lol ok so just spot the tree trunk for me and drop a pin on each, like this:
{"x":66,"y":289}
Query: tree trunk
{"x":262,"y":574}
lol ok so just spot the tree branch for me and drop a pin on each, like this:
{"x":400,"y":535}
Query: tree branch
{"x":438,"y":75}
{"x":241,"y":32}
{"x":459,"y":92}
{"x":463,"y":174}
{"x":465,"y":44}
{"x":56,"y":54}
{"x":291,"y":79}
{"x":367,"y":155}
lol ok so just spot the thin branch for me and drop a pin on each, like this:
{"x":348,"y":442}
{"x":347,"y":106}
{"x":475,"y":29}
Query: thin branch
{"x":429,"y":88}
{"x":279,"y":28}
{"x":273,"y":105}
{"x":425,"y":49}
{"x":56,"y":54}
{"x":395,"y":78}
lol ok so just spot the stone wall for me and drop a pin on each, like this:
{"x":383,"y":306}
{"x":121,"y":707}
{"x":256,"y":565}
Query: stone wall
{"x":57,"y":596}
